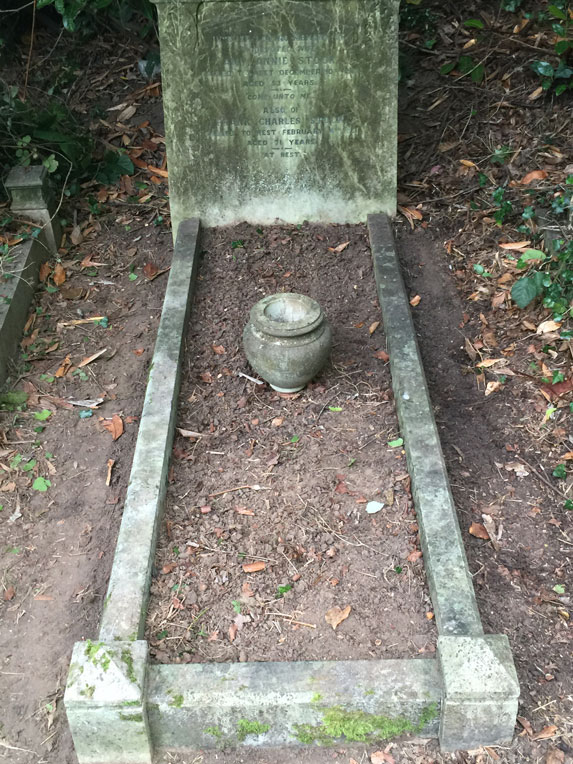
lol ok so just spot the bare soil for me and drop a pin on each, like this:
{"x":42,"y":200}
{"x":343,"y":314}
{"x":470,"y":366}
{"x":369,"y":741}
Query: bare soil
{"x":284,"y":479}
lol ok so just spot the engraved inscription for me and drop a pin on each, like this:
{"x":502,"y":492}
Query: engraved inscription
{"x":281,"y":79}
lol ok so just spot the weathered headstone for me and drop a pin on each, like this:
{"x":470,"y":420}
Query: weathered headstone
{"x":280,"y":108}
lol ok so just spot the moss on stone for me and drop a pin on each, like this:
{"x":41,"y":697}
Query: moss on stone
{"x":316,"y":698}
{"x":131,"y":703}
{"x":214,"y":731}
{"x":369,"y":692}
{"x":130,"y":717}
{"x":246,"y":727}
{"x":93,"y":654}
{"x":76,"y":670}
{"x":359,"y":726}
{"x":176,"y":699}
{"x":88,"y":691}
{"x":127,"y":658}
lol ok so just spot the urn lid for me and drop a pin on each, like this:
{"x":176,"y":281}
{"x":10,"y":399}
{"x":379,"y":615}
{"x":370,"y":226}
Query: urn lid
{"x":286,"y":314}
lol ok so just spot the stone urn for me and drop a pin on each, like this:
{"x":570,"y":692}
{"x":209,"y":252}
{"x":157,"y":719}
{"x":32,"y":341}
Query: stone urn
{"x":287,"y":340}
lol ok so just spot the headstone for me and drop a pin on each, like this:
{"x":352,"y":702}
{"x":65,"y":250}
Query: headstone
{"x":280,"y":109}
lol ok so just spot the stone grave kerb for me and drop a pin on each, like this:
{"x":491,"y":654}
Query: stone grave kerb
{"x":31,"y":197}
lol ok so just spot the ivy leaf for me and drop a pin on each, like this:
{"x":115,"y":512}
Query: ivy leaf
{"x":396,"y":443}
{"x":41,"y":484}
{"x":542,"y":68}
{"x":560,"y":472}
{"x":559,"y":589}
{"x":474,"y":24}
{"x":524,"y":291}
{"x":42,"y":415}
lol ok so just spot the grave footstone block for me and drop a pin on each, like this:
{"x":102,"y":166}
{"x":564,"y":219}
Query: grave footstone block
{"x":105,"y":703}
{"x":31,"y":198}
{"x":481,"y":691}
{"x":280,"y":109}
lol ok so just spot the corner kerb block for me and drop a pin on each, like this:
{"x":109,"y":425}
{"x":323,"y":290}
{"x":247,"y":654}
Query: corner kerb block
{"x":480,"y":691}
{"x":31,"y":196}
{"x":105,"y":703}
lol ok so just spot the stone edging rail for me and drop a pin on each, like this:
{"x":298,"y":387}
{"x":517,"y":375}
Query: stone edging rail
{"x":120,"y":707}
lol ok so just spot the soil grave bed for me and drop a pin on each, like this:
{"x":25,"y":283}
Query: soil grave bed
{"x":317,"y":457}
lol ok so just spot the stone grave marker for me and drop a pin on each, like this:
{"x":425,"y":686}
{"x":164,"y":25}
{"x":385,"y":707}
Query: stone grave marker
{"x":280,"y":109}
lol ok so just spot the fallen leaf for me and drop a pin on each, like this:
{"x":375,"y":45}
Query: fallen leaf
{"x":381,"y":757}
{"x":415,"y":300}
{"x":277,"y":421}
{"x":533,"y":175}
{"x":76,"y":235}
{"x":207,"y":377}
{"x":545,"y":733}
{"x":526,"y":725}
{"x":516,"y":467}
{"x":492,"y":387}
{"x":244,"y":511}
{"x":372,"y":328}
{"x":233,"y":629}
{"x":218,"y":349}
{"x":555,"y":756}
{"x":382,"y":355}
{"x":64,"y":368}
{"x":113,"y":426}
{"x":45,"y":271}
{"x":478,"y":530}
{"x":126,"y":114}
{"x":411,"y":214}
{"x":253,"y":567}
{"x":189,"y":433}
{"x":9,"y":593}
{"x":487,"y":362}
{"x":150,"y":270}
{"x":548,"y":326}
{"x":468,"y":163}
{"x":415,"y":555}
{"x":336,"y":615}
{"x":340,"y":248}
{"x":59,"y":275}
{"x":158,"y":171}
{"x":91,"y":358}
{"x":515,"y":245}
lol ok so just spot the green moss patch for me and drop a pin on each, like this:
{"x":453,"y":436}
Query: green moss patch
{"x":214,"y":731}
{"x":245,"y":727}
{"x":359,"y":726}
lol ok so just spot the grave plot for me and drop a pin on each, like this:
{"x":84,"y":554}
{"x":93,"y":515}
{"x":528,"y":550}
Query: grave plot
{"x":121,"y":705}
{"x":286,"y":513}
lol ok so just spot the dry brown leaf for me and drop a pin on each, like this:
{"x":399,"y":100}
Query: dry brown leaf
{"x":9,"y":593}
{"x":188,"y":433}
{"x":207,"y":377}
{"x":415,"y":300}
{"x":415,"y":555}
{"x":340,"y":248}
{"x":59,"y":275}
{"x":468,"y":163}
{"x":478,"y":530}
{"x":8,"y":487}
{"x":533,"y":175}
{"x":233,"y":629}
{"x":536,"y":93}
{"x":546,"y":732}
{"x":336,"y":615}
{"x":555,"y":756}
{"x":126,"y":114}
{"x":492,"y":387}
{"x":45,"y":271}
{"x":548,"y":326}
{"x":381,"y":757}
{"x":218,"y":349}
{"x":487,"y":362}
{"x":158,"y":171}
{"x":64,"y":368}
{"x":277,"y":421}
{"x":372,"y":328}
{"x":113,"y":426}
{"x":253,"y":567}
{"x":526,"y":725}
{"x":244,"y":511}
{"x":515,"y":244}
{"x":91,"y":358}
{"x":381,"y":355}
{"x":150,"y":270}
{"x":76,"y":235}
